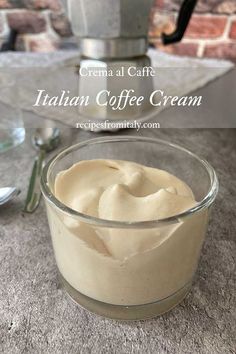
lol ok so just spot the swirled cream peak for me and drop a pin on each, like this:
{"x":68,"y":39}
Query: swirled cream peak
{"x":122,"y":191}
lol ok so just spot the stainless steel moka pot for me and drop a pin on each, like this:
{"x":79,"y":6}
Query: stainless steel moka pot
{"x":113,"y":34}
{"x":110,"y":29}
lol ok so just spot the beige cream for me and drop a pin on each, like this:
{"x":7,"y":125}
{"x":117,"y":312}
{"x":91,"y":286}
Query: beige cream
{"x":125,"y":266}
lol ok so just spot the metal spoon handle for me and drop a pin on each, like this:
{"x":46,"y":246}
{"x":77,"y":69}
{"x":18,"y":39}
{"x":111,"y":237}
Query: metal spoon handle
{"x":34,"y":191}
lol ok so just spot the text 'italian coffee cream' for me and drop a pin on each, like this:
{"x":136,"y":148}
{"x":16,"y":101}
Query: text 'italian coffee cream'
{"x":125,"y":266}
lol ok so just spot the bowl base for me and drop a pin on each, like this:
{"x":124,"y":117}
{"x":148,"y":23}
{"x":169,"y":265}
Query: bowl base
{"x":120,"y":312}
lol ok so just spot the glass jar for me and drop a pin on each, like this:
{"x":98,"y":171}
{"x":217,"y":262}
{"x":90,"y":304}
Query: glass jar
{"x":145,"y":283}
{"x":12,"y":131}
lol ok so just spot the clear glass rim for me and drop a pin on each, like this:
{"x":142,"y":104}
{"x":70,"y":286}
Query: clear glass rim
{"x":203,"y":204}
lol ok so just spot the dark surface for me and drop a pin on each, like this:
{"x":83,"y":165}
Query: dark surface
{"x":36,"y":316}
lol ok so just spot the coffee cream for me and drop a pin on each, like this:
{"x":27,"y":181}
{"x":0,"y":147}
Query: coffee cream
{"x":120,"y":265}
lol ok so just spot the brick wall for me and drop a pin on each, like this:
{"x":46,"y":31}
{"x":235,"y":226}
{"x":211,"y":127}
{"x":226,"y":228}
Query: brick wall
{"x":211,"y":32}
{"x":42,"y":26}
{"x":40,"y":23}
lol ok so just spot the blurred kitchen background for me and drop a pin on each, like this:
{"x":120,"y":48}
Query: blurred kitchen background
{"x":42,"y":26}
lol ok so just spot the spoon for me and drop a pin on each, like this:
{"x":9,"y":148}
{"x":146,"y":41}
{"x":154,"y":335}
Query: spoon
{"x":7,"y":193}
{"x":44,"y":140}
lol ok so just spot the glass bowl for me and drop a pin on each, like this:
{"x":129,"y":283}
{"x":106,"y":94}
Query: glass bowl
{"x":147,"y":283}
